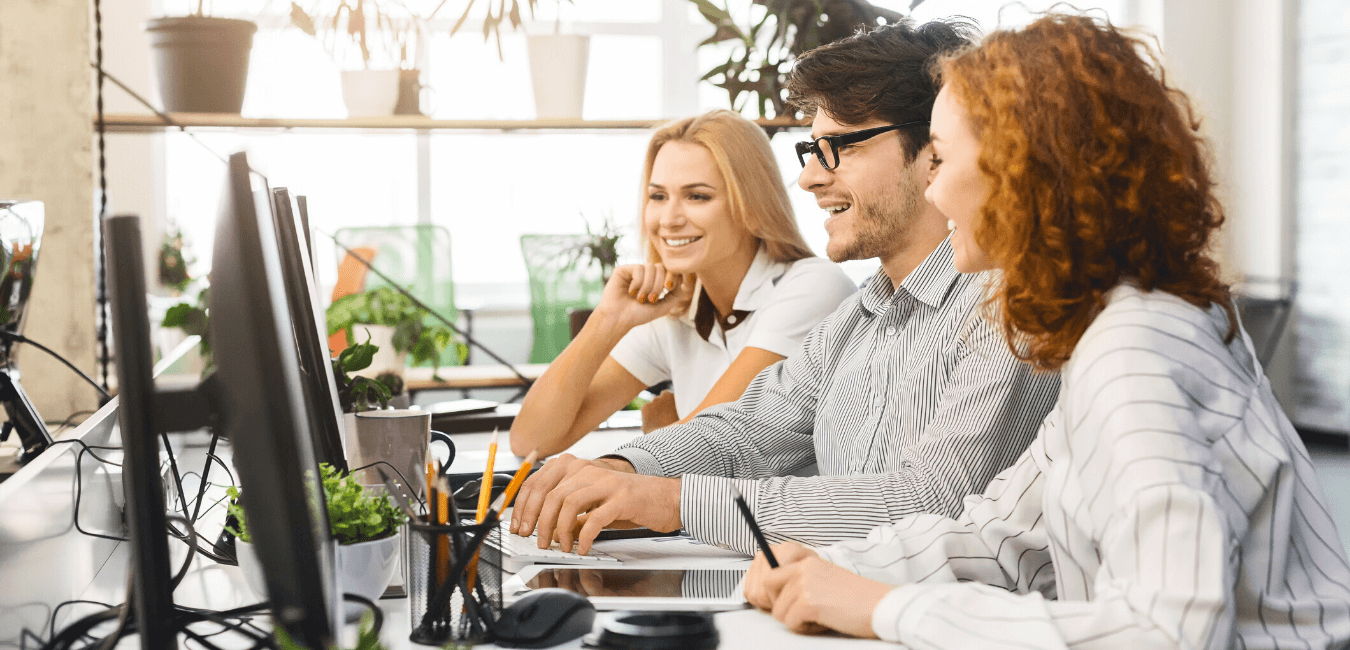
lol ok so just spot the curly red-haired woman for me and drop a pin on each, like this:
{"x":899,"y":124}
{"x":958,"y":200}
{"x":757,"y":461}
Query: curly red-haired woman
{"x":1167,"y":501}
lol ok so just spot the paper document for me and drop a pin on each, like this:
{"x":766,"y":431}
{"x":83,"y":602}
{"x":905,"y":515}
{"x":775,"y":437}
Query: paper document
{"x":683,"y":552}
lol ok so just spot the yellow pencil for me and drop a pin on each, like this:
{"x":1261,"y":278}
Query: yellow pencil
{"x":504,"y":501}
{"x":485,"y":490}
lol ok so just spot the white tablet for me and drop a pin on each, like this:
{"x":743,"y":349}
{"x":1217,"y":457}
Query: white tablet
{"x":616,"y":587}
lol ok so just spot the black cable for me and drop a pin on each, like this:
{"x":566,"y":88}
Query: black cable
{"x":407,"y":294}
{"x":70,"y":420}
{"x":378,"y":623}
{"x":79,"y":481}
{"x":401,"y":477}
{"x":15,"y":337}
{"x":191,"y":553}
{"x":164,"y":117}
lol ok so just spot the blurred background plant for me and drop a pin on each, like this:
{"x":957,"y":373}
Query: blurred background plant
{"x":601,"y":247}
{"x":775,"y":34}
{"x":393,"y":29}
{"x":174,"y":258}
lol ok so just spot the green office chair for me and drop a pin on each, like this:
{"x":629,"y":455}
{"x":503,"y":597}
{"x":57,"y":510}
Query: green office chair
{"x":418,"y":258}
{"x":560,"y":281}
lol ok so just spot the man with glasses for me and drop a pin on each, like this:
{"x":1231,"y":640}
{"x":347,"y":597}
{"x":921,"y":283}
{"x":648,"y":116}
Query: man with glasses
{"x":905,"y":398}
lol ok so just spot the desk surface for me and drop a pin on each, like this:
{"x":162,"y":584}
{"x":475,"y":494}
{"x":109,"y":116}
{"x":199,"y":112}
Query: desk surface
{"x":213,"y":586}
{"x":455,"y":377}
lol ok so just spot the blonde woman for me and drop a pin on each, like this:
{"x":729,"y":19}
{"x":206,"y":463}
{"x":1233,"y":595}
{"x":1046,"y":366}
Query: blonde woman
{"x":729,"y":288}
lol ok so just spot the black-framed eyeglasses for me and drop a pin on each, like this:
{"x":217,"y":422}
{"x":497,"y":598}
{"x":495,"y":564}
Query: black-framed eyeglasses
{"x":829,"y":151}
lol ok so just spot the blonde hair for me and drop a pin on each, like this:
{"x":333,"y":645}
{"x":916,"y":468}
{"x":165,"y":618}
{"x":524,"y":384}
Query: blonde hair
{"x":756,"y":195}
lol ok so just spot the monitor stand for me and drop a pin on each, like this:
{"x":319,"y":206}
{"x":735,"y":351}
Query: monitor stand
{"x":23,"y":418}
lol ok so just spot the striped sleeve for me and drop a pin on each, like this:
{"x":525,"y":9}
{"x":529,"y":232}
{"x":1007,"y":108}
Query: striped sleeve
{"x":985,"y":417}
{"x":1141,"y":478}
{"x":999,"y":539}
{"x":767,"y":432}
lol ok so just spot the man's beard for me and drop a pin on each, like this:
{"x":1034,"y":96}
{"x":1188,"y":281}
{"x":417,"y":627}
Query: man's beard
{"x":883,"y":225}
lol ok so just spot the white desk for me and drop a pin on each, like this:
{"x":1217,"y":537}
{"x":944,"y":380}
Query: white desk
{"x":212,"y":586}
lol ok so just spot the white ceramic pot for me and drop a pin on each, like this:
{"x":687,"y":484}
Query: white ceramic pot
{"x":386,"y":360}
{"x":370,"y":93}
{"x":366,"y":568}
{"x":558,"y":69}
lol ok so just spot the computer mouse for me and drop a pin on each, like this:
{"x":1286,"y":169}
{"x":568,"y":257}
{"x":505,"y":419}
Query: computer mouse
{"x":466,"y":497}
{"x":544,"y":618}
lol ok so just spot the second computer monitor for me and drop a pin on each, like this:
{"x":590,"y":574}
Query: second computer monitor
{"x":308,"y":321}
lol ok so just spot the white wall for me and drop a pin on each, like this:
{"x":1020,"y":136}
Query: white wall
{"x":45,"y":154}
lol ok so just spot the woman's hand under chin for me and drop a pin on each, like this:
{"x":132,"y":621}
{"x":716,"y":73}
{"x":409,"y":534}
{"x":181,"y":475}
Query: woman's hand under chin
{"x":811,"y":595}
{"x":641,"y":293}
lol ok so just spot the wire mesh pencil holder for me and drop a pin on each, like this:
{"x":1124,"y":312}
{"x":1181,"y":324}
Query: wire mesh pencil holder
{"x":454,"y":582}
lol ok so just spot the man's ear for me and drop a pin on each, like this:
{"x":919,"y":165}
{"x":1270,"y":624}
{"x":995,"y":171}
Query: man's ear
{"x":921,"y":164}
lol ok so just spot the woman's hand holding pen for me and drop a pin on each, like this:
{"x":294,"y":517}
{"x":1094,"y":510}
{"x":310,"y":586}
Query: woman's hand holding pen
{"x":810,"y":595}
{"x":641,"y":293}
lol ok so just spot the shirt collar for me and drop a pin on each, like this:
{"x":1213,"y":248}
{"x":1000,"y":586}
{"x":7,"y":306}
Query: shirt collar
{"x":929,"y":282}
{"x":755,"y":290}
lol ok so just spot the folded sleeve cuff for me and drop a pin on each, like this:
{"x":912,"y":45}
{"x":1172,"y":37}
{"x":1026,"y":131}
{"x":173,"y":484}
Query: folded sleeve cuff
{"x":900,"y":612}
{"x":709,"y":513}
{"x":643,"y":461}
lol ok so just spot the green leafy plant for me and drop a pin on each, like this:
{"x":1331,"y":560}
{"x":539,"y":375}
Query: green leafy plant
{"x":601,"y":247}
{"x":385,"y":306}
{"x":785,"y":29}
{"x":366,"y":639}
{"x":174,"y":258}
{"x":354,"y":515}
{"x":194,"y":320}
{"x":356,"y":393}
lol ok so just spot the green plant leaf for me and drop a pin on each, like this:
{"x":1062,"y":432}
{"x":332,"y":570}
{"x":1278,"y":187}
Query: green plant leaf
{"x":176,"y":316}
{"x":359,"y":356}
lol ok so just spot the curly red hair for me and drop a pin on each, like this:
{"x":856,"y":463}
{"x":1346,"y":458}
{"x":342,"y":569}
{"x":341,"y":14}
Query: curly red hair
{"x":1098,"y":176}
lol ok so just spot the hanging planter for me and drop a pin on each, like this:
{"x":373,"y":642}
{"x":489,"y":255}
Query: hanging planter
{"x":201,"y":62}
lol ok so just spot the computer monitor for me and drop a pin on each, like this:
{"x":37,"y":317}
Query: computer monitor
{"x":262,"y":398}
{"x":147,"y":531}
{"x":255,"y":396}
{"x":308,"y":321}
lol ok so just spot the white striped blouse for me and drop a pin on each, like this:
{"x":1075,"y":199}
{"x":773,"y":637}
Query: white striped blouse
{"x":1166,"y":502}
{"x":906,"y":400}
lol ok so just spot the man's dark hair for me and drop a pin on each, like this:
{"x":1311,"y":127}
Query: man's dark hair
{"x":881,"y":73}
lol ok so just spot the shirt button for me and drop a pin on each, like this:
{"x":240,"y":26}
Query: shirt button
{"x":890,"y":331}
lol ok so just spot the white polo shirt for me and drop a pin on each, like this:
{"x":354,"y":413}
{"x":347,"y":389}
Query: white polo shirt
{"x":784,"y":301}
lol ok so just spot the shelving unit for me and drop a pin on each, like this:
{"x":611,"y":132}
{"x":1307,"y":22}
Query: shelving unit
{"x":150,"y":123}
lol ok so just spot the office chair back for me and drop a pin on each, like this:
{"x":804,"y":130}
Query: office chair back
{"x":560,"y":281}
{"x":417,"y":257}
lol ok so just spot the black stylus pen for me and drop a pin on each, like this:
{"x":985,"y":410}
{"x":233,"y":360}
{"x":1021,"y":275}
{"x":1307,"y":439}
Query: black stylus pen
{"x":754,"y":527}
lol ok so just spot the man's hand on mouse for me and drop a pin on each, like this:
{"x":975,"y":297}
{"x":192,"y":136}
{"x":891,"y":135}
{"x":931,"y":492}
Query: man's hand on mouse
{"x":607,"y":491}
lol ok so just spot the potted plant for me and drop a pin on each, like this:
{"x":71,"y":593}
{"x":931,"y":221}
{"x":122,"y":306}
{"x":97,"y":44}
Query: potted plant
{"x":600,"y":247}
{"x":373,"y":42}
{"x":201,"y":61}
{"x":764,"y":52}
{"x":192,"y":319}
{"x":394,"y":323}
{"x":358,"y":393}
{"x":364,"y":523}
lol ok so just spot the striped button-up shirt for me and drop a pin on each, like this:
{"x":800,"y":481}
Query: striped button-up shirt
{"x":906,"y":399}
{"x":1167,"y":502}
